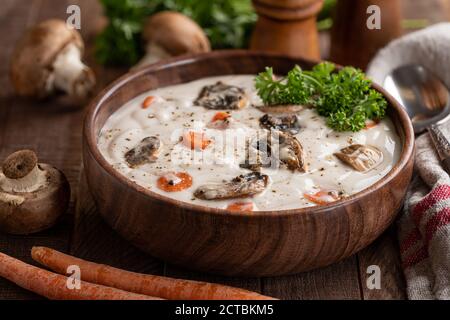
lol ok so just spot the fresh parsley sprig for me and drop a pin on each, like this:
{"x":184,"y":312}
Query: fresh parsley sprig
{"x":344,"y":97}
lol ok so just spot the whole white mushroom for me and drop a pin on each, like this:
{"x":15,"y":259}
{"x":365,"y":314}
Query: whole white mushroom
{"x":32,"y":195}
{"x":48,"y":59}
{"x":169,"y":33}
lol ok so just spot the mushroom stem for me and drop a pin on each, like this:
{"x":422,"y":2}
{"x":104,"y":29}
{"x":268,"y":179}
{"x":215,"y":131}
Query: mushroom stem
{"x":36,"y":179}
{"x":169,"y":34}
{"x":154,"y":53}
{"x":11,"y":199}
{"x":70,"y":74}
{"x":21,"y":173}
{"x":32,"y":196}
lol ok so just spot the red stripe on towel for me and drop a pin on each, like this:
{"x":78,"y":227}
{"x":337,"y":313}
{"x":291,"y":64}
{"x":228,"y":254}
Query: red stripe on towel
{"x":410,"y":240}
{"x":439,"y":220}
{"x":415,"y":258}
{"x":440,"y":193}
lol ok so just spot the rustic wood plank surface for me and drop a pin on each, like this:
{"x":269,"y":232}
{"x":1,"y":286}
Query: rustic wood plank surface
{"x":25,"y":124}
{"x":50,"y":127}
{"x":94,"y":240}
{"x":54,"y":130}
{"x":384,"y":253}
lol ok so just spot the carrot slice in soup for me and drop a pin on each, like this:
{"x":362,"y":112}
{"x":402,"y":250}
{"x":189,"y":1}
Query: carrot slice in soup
{"x":221,"y":116}
{"x":220,"y":121}
{"x":196,"y":140}
{"x":322,"y":197}
{"x":148,"y":102}
{"x":371,"y":124}
{"x":175,"y":182}
{"x":241,"y":207}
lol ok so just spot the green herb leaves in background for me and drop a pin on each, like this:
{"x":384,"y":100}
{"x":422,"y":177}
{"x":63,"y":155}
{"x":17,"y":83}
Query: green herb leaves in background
{"x":227,"y":23}
{"x":345,"y":97}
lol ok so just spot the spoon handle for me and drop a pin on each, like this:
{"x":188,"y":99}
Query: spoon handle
{"x":442,"y":145}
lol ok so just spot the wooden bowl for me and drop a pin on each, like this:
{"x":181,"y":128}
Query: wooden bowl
{"x":239,"y":244}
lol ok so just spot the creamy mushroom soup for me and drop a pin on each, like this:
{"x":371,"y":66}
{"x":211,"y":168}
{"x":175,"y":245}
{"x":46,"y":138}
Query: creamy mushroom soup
{"x":210,"y":143}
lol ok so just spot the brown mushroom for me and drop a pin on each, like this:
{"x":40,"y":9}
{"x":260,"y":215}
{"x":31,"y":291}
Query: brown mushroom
{"x":275,"y":149}
{"x":170,"y":34}
{"x":281,"y":109}
{"x":32,"y":196}
{"x":221,"y":96}
{"x":286,"y":123}
{"x":258,"y":153}
{"x":147,"y":151}
{"x":47,"y":59}
{"x":361,"y":157}
{"x":240,"y":187}
{"x":290,"y":152}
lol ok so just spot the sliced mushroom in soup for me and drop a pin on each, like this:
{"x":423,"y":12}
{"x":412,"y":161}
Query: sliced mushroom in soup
{"x":221,"y":96}
{"x":361,"y":157}
{"x":146,"y":151}
{"x":291,"y":152}
{"x":240,"y":187}
{"x":287,"y":123}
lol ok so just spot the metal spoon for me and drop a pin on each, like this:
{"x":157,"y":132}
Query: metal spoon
{"x":426,"y":100}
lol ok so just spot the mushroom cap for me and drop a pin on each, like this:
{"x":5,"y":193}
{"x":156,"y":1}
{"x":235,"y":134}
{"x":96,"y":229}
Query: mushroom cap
{"x":281,"y":109}
{"x":19,"y":164}
{"x":40,"y":210}
{"x":176,"y":33}
{"x":35,"y":53}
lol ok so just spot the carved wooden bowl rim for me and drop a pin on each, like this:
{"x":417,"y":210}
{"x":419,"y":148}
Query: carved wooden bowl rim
{"x":90,"y":137}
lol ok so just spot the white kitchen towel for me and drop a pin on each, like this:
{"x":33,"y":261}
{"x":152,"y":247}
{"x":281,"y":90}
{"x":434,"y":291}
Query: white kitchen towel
{"x":424,"y":227}
{"x":429,"y":47}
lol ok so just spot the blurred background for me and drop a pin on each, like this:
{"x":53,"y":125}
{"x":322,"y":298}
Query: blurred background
{"x":230,"y":23}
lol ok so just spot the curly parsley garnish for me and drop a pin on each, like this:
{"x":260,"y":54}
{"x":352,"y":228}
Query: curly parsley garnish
{"x":345,"y":97}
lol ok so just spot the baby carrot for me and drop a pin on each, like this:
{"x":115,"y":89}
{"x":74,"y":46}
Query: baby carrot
{"x":175,"y":182}
{"x":54,"y":286}
{"x":168,"y":288}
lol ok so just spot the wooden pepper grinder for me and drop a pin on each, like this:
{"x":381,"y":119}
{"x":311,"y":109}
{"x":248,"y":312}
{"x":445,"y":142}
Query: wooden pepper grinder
{"x":287,"y":27}
{"x":352,"y":42}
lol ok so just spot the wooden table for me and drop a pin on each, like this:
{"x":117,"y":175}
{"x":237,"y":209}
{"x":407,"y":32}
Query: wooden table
{"x":54,"y":131}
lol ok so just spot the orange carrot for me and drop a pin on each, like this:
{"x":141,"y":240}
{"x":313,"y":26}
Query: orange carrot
{"x":148,"y":102}
{"x":196,"y":140}
{"x":322,"y":197}
{"x":168,"y":288}
{"x":241,"y":207}
{"x":221,"y":116}
{"x":220,"y":121}
{"x":54,"y":286}
{"x":175,"y":182}
{"x":371,"y":124}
